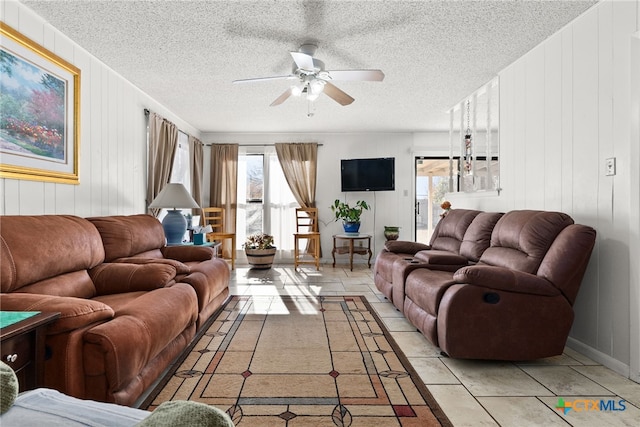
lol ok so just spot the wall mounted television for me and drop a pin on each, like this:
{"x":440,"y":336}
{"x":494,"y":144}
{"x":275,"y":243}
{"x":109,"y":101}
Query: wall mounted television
{"x":368,"y":174}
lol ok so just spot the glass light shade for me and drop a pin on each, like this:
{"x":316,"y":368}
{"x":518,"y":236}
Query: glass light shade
{"x":296,"y":90}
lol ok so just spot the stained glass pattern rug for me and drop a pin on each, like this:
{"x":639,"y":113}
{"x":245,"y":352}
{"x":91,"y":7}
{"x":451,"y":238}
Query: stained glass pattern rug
{"x":302,"y":361}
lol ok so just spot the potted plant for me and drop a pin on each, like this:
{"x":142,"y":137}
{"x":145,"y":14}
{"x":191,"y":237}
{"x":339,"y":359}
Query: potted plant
{"x":260,"y":250}
{"x":350,"y":216}
{"x":391,"y":232}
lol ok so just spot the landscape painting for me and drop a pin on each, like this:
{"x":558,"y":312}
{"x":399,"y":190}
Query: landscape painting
{"x":39,"y":102}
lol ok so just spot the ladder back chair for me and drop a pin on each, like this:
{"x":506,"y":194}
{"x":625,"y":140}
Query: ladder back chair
{"x":215,"y":218}
{"x":306,"y":229}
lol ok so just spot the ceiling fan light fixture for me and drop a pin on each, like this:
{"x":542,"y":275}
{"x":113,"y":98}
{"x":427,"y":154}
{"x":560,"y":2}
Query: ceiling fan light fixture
{"x":312,"y":96}
{"x":297,"y":90}
{"x":313,"y":79}
{"x":317,"y":86}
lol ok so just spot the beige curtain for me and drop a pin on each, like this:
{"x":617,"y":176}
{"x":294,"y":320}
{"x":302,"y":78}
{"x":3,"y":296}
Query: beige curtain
{"x":224,"y":187}
{"x":163,"y":139}
{"x":299,"y":162}
{"x":197,"y":175}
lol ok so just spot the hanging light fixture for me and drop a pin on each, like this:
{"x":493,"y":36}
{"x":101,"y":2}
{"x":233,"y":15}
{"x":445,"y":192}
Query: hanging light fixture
{"x":468,"y":142}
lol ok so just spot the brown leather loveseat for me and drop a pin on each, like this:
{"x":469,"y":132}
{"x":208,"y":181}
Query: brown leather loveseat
{"x":121,"y":324}
{"x":490,"y":285}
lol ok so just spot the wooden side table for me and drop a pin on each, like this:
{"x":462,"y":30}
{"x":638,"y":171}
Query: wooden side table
{"x":351,"y":247}
{"x":23,"y":348}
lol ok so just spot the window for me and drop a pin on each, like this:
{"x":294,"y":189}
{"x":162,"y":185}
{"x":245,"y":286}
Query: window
{"x":265,"y":202}
{"x":181,"y":171}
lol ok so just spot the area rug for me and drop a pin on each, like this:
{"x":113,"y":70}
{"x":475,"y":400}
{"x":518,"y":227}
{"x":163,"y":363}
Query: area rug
{"x":301,"y":361}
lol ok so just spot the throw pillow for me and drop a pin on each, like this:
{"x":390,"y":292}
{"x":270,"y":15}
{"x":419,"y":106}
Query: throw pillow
{"x":8,"y":387}
{"x":185,"y":413}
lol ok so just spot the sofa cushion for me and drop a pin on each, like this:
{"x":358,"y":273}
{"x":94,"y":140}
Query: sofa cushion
{"x":477,"y":238}
{"x":141,"y":329}
{"x":180,"y":267}
{"x":188,"y":253}
{"x":450,"y":230}
{"x":115,"y":278}
{"x":520,"y":239}
{"x":425,"y":287}
{"x":126,"y":236}
{"x":75,"y":284}
{"x":72,"y":244}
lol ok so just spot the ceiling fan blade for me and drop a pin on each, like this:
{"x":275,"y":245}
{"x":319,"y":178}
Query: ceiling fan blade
{"x":357,"y":75}
{"x":337,"y":94}
{"x":264,"y":79}
{"x":303,"y":61}
{"x":286,"y":94}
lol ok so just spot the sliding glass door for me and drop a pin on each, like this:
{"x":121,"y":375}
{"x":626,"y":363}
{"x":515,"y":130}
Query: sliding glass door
{"x":434,"y":178}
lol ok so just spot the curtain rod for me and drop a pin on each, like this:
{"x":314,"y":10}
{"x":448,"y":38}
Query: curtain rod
{"x":252,"y":145}
{"x":147,"y":112}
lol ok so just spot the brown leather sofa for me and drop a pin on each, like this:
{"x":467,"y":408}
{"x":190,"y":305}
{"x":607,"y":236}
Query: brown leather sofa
{"x":139,"y":239}
{"x":490,"y":286}
{"x":121,"y":324}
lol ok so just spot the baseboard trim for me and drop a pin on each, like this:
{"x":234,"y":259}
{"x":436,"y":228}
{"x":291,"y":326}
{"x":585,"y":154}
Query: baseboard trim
{"x":600,"y":357}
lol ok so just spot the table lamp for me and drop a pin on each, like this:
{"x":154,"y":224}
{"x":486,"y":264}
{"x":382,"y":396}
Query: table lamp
{"x":174,"y":197}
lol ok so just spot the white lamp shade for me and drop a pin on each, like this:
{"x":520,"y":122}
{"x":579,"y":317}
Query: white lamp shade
{"x":174,"y":196}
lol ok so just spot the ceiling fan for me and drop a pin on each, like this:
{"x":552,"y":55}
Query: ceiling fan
{"x":314,"y":80}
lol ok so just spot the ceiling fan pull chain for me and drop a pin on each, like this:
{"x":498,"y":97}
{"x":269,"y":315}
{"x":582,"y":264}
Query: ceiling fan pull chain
{"x":309,"y":107}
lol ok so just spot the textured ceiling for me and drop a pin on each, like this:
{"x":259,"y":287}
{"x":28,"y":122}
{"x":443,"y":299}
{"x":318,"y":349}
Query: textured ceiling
{"x":185,"y":55}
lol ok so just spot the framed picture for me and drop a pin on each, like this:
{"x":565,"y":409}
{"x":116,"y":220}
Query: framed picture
{"x":40,"y":121}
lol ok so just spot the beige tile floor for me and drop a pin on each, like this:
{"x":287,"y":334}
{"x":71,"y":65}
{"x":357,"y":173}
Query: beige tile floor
{"x":471,"y":393}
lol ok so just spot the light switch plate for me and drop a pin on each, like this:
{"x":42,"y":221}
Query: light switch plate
{"x":610,"y":166}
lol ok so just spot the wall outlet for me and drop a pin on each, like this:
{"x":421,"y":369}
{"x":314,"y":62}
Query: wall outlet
{"x":610,"y":166}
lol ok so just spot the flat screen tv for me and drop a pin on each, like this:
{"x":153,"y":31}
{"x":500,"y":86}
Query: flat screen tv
{"x":368,"y":174}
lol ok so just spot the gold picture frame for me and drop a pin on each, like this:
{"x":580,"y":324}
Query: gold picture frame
{"x":40,"y":121}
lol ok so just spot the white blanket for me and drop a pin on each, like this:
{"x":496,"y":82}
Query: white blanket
{"x":50,"y":408}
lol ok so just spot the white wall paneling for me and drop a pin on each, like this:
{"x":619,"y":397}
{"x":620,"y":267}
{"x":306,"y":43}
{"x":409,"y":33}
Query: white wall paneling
{"x":565,"y":109}
{"x":634,"y":203}
{"x":552,"y":137}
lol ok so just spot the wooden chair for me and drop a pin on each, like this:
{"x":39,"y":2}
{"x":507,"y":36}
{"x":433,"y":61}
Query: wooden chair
{"x":306,"y":229}
{"x":215,"y":218}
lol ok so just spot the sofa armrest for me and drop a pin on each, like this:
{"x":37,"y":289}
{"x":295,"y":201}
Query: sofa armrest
{"x":188,"y":253}
{"x":74,"y":312}
{"x":505,"y":279}
{"x":117,"y":278}
{"x":405,"y":247}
